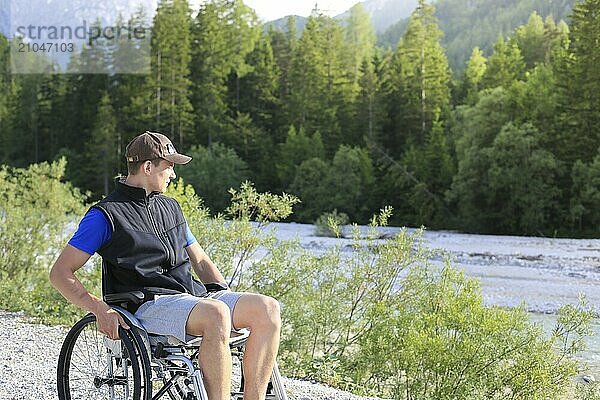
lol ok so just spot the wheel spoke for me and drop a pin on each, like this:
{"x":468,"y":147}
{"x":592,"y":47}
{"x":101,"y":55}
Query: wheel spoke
{"x":91,"y":371}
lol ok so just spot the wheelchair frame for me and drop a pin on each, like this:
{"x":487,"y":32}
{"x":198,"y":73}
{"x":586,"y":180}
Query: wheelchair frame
{"x":91,"y":365}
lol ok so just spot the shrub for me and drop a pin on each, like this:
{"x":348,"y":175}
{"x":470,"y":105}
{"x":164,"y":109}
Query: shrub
{"x":331,"y":224}
{"x":35,"y":208}
{"x":232,"y":243}
{"x":440,"y":342}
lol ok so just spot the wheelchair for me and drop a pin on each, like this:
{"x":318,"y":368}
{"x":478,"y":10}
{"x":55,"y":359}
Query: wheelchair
{"x":141,"y":366}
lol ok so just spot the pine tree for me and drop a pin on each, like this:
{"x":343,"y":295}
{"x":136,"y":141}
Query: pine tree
{"x":360,"y":41}
{"x":9,"y":87}
{"x":130,"y":93}
{"x":476,"y":67}
{"x":210,"y":68}
{"x":370,"y":107}
{"x":297,"y":148}
{"x":224,"y":33}
{"x":256,"y":92}
{"x":420,"y":80}
{"x":50,"y":99}
{"x":254,"y":146}
{"x":505,"y":65}
{"x":580,"y":86}
{"x":557,"y":40}
{"x":320,"y":91}
{"x":100,"y":161}
{"x":531,"y":40}
{"x":168,"y":109}
{"x":284,"y":45}
{"x":244,"y":35}
{"x":84,"y":93}
{"x":307,"y":78}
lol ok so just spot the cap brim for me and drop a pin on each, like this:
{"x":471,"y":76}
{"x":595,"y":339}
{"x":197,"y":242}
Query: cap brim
{"x":178,"y":158}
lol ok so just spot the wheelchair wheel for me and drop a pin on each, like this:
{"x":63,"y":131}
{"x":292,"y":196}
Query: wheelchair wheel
{"x":91,"y":366}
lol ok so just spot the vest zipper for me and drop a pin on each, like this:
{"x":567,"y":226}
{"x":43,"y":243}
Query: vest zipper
{"x":155,"y":228}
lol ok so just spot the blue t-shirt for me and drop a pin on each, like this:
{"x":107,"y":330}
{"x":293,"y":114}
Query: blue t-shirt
{"x":95,"y":231}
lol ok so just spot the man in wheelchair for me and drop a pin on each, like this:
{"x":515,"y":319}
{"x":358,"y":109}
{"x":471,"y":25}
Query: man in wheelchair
{"x":148,"y":250}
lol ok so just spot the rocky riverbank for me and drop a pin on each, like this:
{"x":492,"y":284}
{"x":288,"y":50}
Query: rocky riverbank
{"x":29,"y":353}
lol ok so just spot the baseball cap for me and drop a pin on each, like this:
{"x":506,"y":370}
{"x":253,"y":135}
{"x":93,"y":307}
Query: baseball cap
{"x":152,"y":145}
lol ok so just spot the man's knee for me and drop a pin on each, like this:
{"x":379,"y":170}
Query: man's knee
{"x":210,"y":318}
{"x":269,"y":313}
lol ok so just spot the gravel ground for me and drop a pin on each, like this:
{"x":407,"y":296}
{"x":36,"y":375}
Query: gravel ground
{"x":29,"y":353}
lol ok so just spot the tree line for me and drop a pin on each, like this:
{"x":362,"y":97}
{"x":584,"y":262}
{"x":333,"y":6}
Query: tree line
{"x":511,"y":146}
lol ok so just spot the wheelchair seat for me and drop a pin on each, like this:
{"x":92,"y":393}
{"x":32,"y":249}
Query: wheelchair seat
{"x":142,"y":366}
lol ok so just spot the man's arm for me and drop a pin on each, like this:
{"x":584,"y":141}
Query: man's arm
{"x":205,"y":269}
{"x":62,"y":277}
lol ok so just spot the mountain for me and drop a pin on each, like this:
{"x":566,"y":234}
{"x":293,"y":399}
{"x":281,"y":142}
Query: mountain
{"x":281,"y":23}
{"x":465,"y":23}
{"x":384,"y":13}
{"x":470,"y":23}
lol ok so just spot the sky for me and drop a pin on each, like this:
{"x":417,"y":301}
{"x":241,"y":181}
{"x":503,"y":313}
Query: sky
{"x":269,"y":10}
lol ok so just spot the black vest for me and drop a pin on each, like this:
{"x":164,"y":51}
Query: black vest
{"x":146,"y":251}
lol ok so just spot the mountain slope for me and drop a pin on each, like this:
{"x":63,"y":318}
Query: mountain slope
{"x":281,"y":23}
{"x":470,"y":23}
{"x":384,"y":13}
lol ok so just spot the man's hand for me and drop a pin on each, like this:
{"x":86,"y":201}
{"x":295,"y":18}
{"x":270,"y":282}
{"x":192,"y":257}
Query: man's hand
{"x":109,"y":321}
{"x":216,"y":286}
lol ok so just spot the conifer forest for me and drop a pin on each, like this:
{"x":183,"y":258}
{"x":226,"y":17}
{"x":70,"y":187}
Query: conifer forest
{"x":506,"y":140}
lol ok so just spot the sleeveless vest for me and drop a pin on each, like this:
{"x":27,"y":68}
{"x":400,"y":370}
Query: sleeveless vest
{"x":146,"y":251}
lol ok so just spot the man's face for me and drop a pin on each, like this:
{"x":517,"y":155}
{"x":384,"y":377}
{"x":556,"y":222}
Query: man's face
{"x":161,"y":176}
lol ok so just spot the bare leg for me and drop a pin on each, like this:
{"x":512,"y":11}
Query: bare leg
{"x":261,"y":315}
{"x":211,"y":319}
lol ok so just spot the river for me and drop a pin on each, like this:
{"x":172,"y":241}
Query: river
{"x":541,"y":273}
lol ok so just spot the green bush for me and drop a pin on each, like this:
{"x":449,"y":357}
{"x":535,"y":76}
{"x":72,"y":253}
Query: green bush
{"x":331,"y":224}
{"x":35,"y":208}
{"x":233,"y":239}
{"x":439,"y":341}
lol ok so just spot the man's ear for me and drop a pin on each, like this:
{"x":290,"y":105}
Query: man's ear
{"x":147,"y":167}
